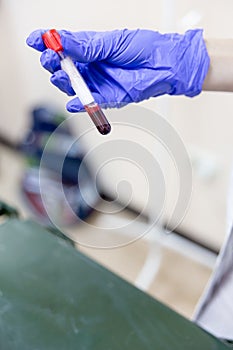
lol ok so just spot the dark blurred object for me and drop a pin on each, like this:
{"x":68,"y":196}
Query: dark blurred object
{"x":44,"y":121}
{"x":7,"y":210}
{"x":54,"y":174}
{"x":7,"y":142}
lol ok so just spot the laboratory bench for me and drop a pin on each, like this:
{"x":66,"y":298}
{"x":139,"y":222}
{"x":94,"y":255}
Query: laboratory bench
{"x":54,"y":297}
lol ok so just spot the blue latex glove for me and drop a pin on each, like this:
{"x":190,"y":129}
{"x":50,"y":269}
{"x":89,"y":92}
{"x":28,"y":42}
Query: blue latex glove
{"x":124,"y":66}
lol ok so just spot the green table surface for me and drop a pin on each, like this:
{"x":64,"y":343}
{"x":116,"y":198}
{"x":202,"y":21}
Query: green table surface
{"x":53,"y":297}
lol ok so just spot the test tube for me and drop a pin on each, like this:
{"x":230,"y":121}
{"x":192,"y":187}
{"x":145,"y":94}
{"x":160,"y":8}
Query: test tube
{"x":52,"y":40}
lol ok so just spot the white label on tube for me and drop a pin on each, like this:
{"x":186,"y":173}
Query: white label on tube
{"x":77,"y":82}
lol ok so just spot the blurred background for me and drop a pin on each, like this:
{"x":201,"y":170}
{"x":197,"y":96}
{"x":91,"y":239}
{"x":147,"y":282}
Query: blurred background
{"x":178,"y":270}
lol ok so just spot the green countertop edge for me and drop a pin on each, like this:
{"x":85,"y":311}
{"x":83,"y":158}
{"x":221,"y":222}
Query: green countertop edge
{"x":28,"y":224}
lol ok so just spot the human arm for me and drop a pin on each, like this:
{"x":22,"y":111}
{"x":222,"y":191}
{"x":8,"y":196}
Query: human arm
{"x":220,"y":73}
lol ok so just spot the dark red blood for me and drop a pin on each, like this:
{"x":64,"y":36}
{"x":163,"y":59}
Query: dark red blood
{"x":99,"y":119}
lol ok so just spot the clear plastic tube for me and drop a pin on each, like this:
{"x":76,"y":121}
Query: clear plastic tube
{"x":82,"y":91}
{"x":52,"y":40}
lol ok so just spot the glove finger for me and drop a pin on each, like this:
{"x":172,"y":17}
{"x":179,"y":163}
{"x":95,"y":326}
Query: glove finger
{"x":50,"y":60}
{"x":35,"y":40}
{"x":81,"y":67}
{"x":61,"y":80}
{"x":91,"y":46}
{"x":85,"y":46}
{"x":75,"y":105}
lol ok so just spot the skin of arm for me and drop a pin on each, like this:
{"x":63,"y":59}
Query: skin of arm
{"x":220,"y":73}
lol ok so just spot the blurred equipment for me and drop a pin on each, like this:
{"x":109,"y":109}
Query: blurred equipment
{"x":57,"y":179}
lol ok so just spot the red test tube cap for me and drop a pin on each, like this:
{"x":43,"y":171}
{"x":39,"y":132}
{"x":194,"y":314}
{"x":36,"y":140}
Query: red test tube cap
{"x":52,"y":40}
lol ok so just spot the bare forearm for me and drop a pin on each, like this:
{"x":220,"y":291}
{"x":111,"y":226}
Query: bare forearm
{"x":220,"y":74}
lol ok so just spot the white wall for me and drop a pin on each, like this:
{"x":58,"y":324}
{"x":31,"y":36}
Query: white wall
{"x":205,"y":121}
{"x":23,"y":80}
{"x":21,"y":74}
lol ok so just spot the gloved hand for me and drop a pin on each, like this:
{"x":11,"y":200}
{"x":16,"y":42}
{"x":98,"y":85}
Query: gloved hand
{"x":124,"y":66}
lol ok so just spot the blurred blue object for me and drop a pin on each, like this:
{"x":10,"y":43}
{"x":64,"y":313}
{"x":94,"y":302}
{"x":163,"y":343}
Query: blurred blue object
{"x":44,"y":121}
{"x":62,"y":177}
